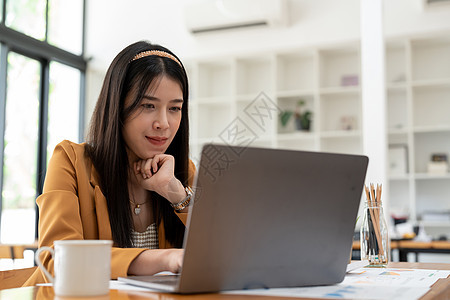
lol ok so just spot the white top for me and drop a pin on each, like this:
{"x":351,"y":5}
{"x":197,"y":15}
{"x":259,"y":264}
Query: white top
{"x":147,"y":239}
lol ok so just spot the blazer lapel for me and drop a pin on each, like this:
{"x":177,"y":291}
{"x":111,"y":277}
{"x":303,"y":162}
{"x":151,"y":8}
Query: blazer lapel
{"x":101,"y":208}
{"x":104,"y":226}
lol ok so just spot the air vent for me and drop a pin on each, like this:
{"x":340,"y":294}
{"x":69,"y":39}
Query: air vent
{"x":432,"y":4}
{"x":220,"y":15}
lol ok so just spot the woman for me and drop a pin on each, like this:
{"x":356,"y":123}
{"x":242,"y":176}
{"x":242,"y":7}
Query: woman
{"x":130,"y":181}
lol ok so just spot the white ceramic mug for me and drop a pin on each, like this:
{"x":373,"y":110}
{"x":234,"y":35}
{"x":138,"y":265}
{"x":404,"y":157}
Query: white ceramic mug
{"x":82,"y":267}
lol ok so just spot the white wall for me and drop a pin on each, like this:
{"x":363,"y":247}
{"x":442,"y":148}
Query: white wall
{"x":312,"y":22}
{"x":113,"y":24}
{"x":404,"y":17}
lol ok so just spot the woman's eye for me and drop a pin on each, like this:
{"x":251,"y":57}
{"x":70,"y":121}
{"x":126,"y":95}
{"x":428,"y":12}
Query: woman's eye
{"x":175,"y":109}
{"x":148,"y":105}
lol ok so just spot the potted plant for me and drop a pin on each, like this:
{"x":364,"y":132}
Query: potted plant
{"x":302,"y":117}
{"x":285,"y":116}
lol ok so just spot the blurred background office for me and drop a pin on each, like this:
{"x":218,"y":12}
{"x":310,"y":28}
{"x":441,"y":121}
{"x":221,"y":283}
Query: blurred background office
{"x":304,"y":60}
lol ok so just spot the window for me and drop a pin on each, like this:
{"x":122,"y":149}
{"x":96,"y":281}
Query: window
{"x":65,"y":24}
{"x":41,"y":101}
{"x":27,"y":16}
{"x":20,"y":149}
{"x":63,"y":105}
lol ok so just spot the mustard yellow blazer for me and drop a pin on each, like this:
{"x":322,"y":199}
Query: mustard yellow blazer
{"x":72,"y":207}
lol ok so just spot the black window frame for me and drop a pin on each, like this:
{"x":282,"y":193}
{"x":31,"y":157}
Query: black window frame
{"x":43,"y":52}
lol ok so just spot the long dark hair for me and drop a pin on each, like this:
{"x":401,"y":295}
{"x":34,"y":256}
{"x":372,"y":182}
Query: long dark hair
{"x":106,"y":146}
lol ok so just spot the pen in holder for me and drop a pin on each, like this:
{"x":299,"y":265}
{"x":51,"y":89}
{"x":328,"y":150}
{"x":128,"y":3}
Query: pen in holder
{"x":374,"y":232}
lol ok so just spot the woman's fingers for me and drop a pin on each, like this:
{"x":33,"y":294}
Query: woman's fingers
{"x":162,"y":161}
{"x":156,"y":163}
{"x":143,"y":167}
{"x":155,"y":174}
{"x":147,"y":168}
{"x":176,"y":260}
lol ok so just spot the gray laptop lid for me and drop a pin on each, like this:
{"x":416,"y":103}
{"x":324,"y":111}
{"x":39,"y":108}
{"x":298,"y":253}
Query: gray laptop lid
{"x":270,"y":218}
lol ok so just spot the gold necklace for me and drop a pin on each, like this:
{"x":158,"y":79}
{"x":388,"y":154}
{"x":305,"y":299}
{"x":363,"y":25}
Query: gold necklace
{"x":137,"y":207}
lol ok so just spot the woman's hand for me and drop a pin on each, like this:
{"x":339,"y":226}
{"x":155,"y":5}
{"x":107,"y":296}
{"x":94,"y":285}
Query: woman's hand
{"x":157,"y":174}
{"x":154,"y":261}
{"x":156,"y":171}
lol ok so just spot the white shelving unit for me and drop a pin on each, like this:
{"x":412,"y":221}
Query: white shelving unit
{"x":226,"y":91}
{"x":418,"y":118}
{"x":228,"y":87}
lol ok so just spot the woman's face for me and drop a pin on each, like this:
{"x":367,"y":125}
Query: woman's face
{"x":151,"y":127}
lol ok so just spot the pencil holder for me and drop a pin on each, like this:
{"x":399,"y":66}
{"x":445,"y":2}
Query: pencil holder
{"x":374,"y":232}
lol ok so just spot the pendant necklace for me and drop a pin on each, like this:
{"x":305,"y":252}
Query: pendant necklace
{"x":137,"y":207}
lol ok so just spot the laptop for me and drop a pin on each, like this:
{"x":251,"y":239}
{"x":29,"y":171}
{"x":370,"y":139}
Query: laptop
{"x":266,"y":218}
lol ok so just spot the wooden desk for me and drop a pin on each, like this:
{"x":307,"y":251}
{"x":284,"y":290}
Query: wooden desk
{"x":440,"y":290}
{"x":406,"y":246}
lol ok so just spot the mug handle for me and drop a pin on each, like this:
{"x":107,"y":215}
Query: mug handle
{"x":39,"y":263}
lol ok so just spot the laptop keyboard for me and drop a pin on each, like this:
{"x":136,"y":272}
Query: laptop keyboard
{"x":166,"y":279}
{"x":172,"y":283}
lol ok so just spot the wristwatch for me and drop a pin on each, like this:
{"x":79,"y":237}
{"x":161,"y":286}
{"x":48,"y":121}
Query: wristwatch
{"x":185,"y":202}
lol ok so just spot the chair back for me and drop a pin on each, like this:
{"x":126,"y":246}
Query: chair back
{"x":15,"y":278}
{"x":5,"y":251}
{"x":11,"y":251}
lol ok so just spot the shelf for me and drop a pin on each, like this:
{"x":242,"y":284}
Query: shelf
{"x":435,"y":223}
{"x":216,"y":119}
{"x":339,"y":90}
{"x":340,"y":134}
{"x":431,"y":129}
{"x":431,"y":106}
{"x":432,"y":194}
{"x":303,"y":145}
{"x":335,"y":65}
{"x":291,"y":103}
{"x":395,"y":62}
{"x":328,"y":79}
{"x":427,"y":176}
{"x":294,"y":93}
{"x":253,"y":75}
{"x":396,"y":86}
{"x":431,"y":83}
{"x":426,"y":144}
{"x":296,"y":71}
{"x":292,"y":136}
{"x":397,"y":108}
{"x":340,"y":112}
{"x":346,"y":145}
{"x":246,"y":97}
{"x":399,"y":177}
{"x":400,"y":131}
{"x":215,"y":79}
{"x":399,"y":197}
{"x":430,"y":58}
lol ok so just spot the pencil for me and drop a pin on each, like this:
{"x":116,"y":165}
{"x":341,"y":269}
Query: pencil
{"x":374,"y":221}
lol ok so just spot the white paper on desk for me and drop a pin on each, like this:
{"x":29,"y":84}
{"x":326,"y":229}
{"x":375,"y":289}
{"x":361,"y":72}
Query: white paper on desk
{"x":356,"y":265}
{"x":395,"y":277}
{"x":366,"y":283}
{"x":341,"y":291}
{"x":118,"y":285}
